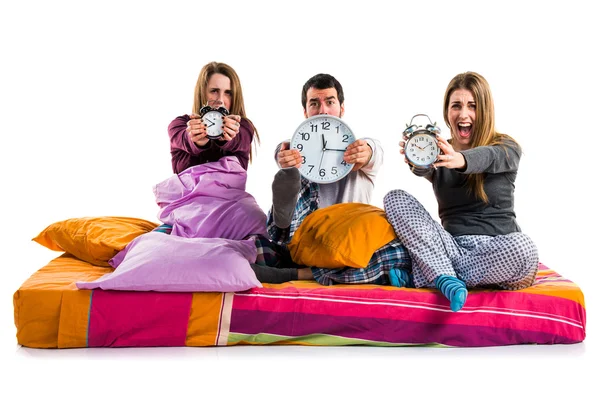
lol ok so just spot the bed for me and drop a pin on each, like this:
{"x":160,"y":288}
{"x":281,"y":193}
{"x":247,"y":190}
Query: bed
{"x":51,"y":312}
{"x":123,"y":282}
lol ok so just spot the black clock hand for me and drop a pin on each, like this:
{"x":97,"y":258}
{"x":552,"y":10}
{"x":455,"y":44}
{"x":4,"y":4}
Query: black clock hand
{"x":211,"y":123}
{"x":334,"y":149}
{"x":321,"y":162}
{"x":324,"y":142}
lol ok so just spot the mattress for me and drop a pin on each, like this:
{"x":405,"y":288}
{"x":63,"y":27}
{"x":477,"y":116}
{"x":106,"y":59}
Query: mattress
{"x":50,"y":312}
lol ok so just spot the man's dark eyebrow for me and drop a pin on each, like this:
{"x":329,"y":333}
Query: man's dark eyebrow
{"x":317,"y":99}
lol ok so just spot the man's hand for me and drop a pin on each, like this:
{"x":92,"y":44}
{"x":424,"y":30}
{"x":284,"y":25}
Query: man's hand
{"x":287,"y":158}
{"x":358,"y":153}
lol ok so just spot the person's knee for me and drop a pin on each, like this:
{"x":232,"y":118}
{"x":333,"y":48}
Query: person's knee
{"x":395,"y":197}
{"x":526,"y":248}
{"x":526,"y":252}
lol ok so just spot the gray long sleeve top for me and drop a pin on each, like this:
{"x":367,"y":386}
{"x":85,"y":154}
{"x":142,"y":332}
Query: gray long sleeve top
{"x":461,"y":212}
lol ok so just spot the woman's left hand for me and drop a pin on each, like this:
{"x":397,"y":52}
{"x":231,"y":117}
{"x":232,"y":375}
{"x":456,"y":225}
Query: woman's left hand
{"x":450,"y":158}
{"x":231,"y":126}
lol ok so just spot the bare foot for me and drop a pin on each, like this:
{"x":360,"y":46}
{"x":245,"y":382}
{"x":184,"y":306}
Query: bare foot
{"x":305,"y":274}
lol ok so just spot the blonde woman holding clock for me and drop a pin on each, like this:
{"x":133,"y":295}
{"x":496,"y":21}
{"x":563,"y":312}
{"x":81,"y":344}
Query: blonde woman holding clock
{"x":478,"y":242}
{"x":218,"y":85}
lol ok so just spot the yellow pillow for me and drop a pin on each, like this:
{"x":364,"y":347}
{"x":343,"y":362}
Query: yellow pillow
{"x":341,"y":235}
{"x":95,"y":240}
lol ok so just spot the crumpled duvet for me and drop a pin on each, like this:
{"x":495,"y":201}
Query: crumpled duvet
{"x":211,"y":215}
{"x":210,"y":201}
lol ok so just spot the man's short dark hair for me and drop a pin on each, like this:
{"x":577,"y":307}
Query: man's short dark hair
{"x":322,"y":81}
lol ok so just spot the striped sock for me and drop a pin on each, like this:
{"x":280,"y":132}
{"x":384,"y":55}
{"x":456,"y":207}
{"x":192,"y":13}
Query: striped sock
{"x":454,"y":289}
{"x":400,"y":278}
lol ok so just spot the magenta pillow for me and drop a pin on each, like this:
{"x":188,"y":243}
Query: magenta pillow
{"x":167,"y":263}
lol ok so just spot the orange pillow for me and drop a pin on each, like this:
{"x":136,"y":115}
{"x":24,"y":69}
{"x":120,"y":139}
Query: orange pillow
{"x":341,"y":235}
{"x":95,"y":239}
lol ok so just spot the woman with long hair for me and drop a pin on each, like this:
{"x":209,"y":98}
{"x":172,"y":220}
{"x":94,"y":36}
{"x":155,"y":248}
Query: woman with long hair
{"x":478,"y":243}
{"x":218,"y":85}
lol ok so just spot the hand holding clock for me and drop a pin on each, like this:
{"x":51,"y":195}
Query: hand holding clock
{"x":321,"y":151}
{"x":358,"y":153}
{"x":231,"y":126}
{"x":450,"y":158}
{"x":196,"y":130}
{"x":287,"y":158}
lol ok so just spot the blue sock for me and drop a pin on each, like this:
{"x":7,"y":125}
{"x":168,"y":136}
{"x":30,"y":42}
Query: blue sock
{"x":400,"y":277}
{"x":454,"y":289}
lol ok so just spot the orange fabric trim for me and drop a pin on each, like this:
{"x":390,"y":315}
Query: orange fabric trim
{"x":205,"y":315}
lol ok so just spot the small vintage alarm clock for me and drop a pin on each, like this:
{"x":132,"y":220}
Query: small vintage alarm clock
{"x":421,"y":147}
{"x":213,"y":118}
{"x":322,"y":140}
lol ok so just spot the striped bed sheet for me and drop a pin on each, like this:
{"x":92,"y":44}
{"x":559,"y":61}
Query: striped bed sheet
{"x":50,"y":312}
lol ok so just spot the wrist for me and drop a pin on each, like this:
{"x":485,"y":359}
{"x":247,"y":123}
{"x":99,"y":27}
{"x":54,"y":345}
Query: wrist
{"x":202,"y":144}
{"x":463,"y":166}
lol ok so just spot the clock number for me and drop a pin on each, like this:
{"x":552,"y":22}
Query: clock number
{"x":337,"y":129}
{"x":333,"y":170}
{"x":311,"y":168}
{"x":322,"y":172}
{"x":300,"y":147}
{"x":313,"y":128}
{"x":345,"y":138}
{"x":344,"y":163}
{"x":305,"y":135}
{"x":325,"y":125}
{"x":303,"y":160}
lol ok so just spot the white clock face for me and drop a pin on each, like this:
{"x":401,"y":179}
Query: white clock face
{"x":214,"y":124}
{"x":421,"y":149}
{"x":322,"y":141}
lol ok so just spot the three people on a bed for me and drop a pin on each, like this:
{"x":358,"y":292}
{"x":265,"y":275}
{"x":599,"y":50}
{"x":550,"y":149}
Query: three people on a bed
{"x":478,"y":242}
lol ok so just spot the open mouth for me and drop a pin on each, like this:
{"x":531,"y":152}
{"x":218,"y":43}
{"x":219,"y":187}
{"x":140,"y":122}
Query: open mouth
{"x":464,"y":129}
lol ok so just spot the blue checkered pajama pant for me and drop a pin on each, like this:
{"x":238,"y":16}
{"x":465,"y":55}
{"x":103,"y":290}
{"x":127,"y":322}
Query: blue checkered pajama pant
{"x":504,"y":261}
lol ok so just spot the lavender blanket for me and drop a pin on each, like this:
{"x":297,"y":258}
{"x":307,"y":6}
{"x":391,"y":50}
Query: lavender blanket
{"x":211,"y":215}
{"x":210,"y":201}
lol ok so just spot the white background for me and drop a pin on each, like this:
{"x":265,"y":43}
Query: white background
{"x":87,"y":91}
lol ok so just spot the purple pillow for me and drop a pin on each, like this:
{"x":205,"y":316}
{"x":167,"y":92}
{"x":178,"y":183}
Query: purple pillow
{"x":167,"y":263}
